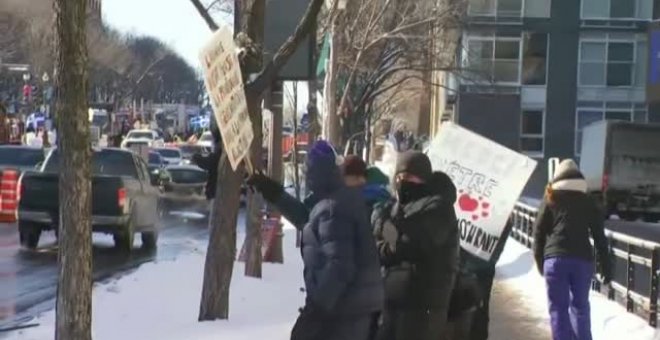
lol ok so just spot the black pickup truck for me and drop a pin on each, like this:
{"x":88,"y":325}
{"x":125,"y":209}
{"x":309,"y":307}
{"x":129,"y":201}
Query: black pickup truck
{"x":125,"y":199}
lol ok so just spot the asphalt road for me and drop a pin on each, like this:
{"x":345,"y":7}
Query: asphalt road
{"x":28,"y":279}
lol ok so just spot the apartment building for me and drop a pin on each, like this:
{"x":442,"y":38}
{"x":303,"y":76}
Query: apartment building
{"x":536,"y":72}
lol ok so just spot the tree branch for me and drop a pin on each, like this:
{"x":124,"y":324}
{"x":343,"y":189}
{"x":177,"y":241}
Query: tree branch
{"x":205,"y":15}
{"x":305,"y":26}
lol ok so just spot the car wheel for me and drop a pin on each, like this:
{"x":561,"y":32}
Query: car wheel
{"x":29,"y":234}
{"x":124,"y":238}
{"x":149,"y":239}
{"x":30,"y":238}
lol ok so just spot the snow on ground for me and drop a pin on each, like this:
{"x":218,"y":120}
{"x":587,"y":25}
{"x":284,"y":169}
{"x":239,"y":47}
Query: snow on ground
{"x":516,"y":270}
{"x":161,"y":301}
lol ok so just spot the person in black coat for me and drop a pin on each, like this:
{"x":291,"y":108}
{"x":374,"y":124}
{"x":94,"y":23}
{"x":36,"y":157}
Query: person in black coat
{"x":342,"y":274}
{"x":418,"y":242}
{"x":211,"y":161}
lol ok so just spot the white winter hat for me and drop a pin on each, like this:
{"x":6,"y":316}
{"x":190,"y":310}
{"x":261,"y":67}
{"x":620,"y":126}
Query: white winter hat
{"x":567,"y":169}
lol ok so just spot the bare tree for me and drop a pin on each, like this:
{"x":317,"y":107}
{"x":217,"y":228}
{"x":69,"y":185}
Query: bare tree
{"x":221,"y":251}
{"x":10,"y":31}
{"x":74,"y":290}
{"x":389,"y":46}
{"x":291,"y":95}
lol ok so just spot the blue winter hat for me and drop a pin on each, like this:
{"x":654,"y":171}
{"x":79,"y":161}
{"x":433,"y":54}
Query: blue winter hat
{"x":323,"y":175}
{"x":322,"y":151}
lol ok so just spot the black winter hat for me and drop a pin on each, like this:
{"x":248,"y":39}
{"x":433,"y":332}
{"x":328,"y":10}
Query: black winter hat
{"x":415,"y":163}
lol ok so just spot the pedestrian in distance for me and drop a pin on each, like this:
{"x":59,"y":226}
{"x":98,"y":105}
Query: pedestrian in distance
{"x":418,"y":242}
{"x":341,"y":270}
{"x":567,"y":218}
{"x":209,"y":162}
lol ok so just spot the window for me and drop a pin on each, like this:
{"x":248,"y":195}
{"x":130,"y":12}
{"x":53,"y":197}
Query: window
{"x":501,"y":8}
{"x":535,"y":50}
{"x":589,"y":113}
{"x":608,"y":63}
{"x":481,"y":7}
{"x":617,"y":9}
{"x":620,"y":63}
{"x":537,"y":8}
{"x":494,"y":59}
{"x":622,"y":8}
{"x":509,"y":8}
{"x":532,"y":131}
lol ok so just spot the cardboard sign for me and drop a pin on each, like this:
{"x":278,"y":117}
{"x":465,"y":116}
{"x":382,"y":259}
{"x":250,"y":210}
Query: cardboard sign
{"x":224,"y":83}
{"x":489,"y":179}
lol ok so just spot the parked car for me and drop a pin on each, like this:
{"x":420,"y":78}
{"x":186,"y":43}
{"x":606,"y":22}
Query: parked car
{"x":189,"y":150}
{"x":149,"y":138}
{"x":20,"y":157}
{"x":206,"y":140}
{"x":621,"y":163}
{"x":125,"y":199}
{"x":184,"y":191}
{"x":156,"y":161}
{"x":171,"y":156}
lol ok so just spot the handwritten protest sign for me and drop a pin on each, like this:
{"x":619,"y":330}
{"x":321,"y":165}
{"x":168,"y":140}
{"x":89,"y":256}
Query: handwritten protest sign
{"x":224,"y":83}
{"x":489,"y":179}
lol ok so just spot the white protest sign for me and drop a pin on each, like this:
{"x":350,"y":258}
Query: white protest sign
{"x":489,"y":179}
{"x":224,"y":83}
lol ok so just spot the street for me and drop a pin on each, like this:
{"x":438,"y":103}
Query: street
{"x":29,"y":278}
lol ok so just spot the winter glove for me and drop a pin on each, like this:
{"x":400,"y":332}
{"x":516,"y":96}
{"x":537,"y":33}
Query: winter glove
{"x":390,"y":235}
{"x":269,"y":189}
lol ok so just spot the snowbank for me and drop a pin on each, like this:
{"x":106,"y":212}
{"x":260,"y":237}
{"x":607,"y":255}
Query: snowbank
{"x":516,"y":271}
{"x":161,"y":301}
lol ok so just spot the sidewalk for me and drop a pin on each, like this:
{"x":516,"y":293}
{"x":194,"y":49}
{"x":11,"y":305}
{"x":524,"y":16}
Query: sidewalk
{"x":161,"y":301}
{"x":518,"y":307}
{"x":510,"y":318}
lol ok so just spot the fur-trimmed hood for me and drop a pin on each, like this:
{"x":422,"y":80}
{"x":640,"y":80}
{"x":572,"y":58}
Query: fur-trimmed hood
{"x":568,"y":177}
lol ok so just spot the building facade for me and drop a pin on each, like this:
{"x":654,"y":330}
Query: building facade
{"x":536,"y":72}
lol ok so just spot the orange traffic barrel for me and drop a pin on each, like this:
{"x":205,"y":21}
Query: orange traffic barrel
{"x":8,"y":196}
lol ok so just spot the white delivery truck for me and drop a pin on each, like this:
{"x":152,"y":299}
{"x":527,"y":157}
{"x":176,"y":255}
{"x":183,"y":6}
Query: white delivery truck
{"x":621,"y":163}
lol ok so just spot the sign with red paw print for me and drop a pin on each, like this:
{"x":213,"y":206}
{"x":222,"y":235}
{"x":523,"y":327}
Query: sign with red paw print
{"x":489,"y":179}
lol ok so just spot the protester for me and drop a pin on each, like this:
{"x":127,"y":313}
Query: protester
{"x":210,"y":162}
{"x":5,"y":127}
{"x":417,"y":238}
{"x":354,"y":171}
{"x":342,"y":274}
{"x":376,"y":190}
{"x":567,"y":218}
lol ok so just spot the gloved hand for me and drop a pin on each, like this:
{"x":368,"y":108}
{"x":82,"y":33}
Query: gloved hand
{"x":390,"y":234}
{"x":269,"y":188}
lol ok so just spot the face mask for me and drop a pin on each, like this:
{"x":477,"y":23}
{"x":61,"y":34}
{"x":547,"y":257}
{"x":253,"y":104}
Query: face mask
{"x":409,"y":191}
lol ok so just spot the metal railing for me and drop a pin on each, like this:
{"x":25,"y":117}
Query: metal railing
{"x":640,"y":258}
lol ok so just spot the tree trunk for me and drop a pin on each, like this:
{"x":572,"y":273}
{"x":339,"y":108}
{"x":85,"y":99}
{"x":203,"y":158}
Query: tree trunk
{"x":74,"y":290}
{"x":252,"y":21}
{"x":294,"y":158}
{"x":275,"y":159}
{"x":221,"y":251}
{"x":253,"y":241}
{"x":333,"y":124}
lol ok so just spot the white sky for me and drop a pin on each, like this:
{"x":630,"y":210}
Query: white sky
{"x":175,"y":22}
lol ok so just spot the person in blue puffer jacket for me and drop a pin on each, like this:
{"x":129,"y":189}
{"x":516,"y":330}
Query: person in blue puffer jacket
{"x":341,"y":265}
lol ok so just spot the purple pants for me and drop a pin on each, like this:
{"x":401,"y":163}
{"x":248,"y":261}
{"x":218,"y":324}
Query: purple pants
{"x":568,"y":282}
